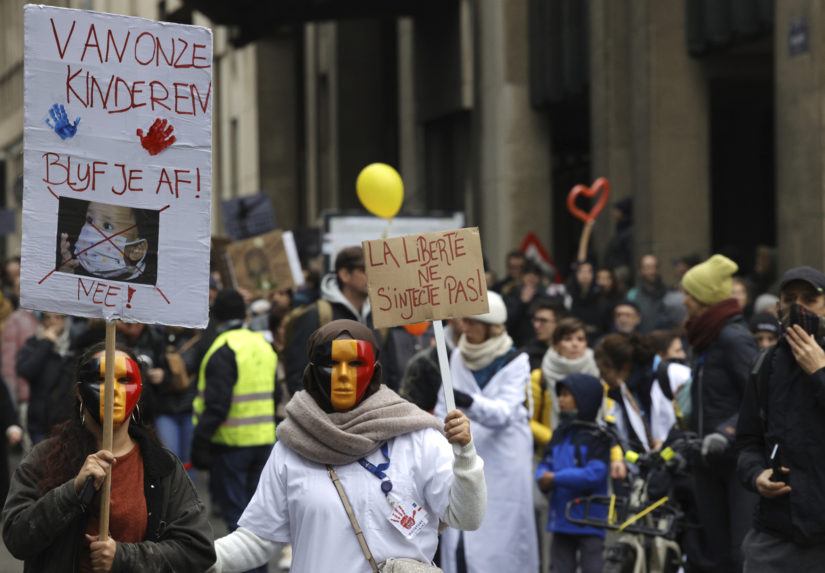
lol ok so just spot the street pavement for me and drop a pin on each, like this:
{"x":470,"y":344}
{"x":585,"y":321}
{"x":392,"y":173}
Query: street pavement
{"x":9,"y":564}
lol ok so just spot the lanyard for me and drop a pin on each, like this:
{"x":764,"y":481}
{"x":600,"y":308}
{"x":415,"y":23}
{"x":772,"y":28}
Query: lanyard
{"x":378,"y":470}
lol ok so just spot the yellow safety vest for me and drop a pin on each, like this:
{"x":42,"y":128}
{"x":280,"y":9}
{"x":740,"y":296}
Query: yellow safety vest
{"x":251,"y":418}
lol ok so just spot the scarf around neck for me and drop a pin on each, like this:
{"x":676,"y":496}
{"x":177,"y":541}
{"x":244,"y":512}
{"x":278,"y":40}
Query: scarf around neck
{"x":340,"y":438}
{"x":703,"y":330}
{"x":554,"y":366}
{"x":478,"y":356}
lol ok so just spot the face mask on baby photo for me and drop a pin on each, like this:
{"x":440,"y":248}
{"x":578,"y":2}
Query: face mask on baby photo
{"x":108,"y":260}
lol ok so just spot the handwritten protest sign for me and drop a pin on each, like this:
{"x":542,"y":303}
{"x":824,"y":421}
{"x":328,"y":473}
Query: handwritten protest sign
{"x":266,"y":262}
{"x":118,"y":174}
{"x":430,"y":276}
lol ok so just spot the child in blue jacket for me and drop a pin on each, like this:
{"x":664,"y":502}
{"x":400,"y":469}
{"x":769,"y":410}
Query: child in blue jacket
{"x":575,"y":464}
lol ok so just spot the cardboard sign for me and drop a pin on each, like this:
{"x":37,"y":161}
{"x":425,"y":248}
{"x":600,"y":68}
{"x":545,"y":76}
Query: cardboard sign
{"x":118,"y":167}
{"x":430,"y":276}
{"x":265,"y":263}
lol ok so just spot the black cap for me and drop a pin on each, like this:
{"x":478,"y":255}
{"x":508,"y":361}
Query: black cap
{"x":764,"y":322}
{"x":229,"y":305}
{"x":809,"y":275}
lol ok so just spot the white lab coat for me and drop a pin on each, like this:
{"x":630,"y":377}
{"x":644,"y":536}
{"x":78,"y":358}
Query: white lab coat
{"x":662,"y":415}
{"x":295,"y":502}
{"x":506,"y":541}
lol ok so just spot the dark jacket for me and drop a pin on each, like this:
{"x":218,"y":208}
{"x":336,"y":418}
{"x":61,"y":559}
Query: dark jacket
{"x":398,"y":349}
{"x":167,"y":400}
{"x":535,"y":351}
{"x":150,"y":350}
{"x":46,"y":530}
{"x":422,"y":379}
{"x":519,"y":321}
{"x":794,"y":406}
{"x":578,"y":455}
{"x":51,"y":381}
{"x":586,"y":306}
{"x":649,"y":297}
{"x":720,"y":375}
{"x":8,"y":417}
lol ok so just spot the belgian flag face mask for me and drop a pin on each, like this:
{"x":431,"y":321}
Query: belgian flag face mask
{"x":128,"y":386}
{"x":344,"y":369}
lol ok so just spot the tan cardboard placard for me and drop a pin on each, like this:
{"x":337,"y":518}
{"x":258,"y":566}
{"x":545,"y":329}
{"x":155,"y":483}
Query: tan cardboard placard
{"x":428,"y":276}
{"x":261,"y":264}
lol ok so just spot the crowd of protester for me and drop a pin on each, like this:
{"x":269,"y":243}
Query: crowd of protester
{"x":613,"y":347}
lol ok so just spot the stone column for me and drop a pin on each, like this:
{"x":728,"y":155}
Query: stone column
{"x":800,"y":93}
{"x":650,"y":124}
{"x":278,"y":125}
{"x":514,"y":152}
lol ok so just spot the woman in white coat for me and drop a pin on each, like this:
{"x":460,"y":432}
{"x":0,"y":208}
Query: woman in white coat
{"x":399,"y":473}
{"x":490,"y":379}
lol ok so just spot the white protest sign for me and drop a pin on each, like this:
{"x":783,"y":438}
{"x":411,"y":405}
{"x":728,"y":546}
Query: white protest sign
{"x":343,"y":230}
{"x":118,"y":167}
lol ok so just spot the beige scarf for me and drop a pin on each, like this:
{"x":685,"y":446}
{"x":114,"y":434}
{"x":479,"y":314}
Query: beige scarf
{"x":477,"y":356}
{"x":341,"y":438}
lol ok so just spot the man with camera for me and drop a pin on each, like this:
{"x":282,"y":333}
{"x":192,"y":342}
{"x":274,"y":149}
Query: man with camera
{"x":781,"y":435}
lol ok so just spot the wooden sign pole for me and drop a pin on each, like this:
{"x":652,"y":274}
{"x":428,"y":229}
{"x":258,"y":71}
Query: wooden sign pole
{"x":108,"y":407}
{"x":584,"y":240}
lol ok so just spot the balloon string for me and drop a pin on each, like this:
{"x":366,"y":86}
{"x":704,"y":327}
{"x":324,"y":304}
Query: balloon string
{"x":386,"y":232}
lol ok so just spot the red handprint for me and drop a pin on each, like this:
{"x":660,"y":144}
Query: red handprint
{"x":158,"y":138}
{"x":401,"y":516}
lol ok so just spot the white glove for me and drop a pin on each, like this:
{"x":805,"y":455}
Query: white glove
{"x":14,"y":434}
{"x":714,"y":444}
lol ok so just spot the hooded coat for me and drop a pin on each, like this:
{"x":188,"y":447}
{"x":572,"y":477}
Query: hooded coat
{"x":578,"y":455}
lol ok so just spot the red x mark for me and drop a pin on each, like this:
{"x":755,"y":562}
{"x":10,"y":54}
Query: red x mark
{"x":105,"y":238}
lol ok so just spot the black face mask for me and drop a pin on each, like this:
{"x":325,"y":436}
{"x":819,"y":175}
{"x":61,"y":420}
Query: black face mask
{"x":801,"y":316}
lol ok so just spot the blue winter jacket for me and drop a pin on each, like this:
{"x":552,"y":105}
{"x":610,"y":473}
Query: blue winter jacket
{"x":578,"y":454}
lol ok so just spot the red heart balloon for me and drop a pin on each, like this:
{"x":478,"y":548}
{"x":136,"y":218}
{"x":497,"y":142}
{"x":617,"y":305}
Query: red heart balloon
{"x":600,"y":185}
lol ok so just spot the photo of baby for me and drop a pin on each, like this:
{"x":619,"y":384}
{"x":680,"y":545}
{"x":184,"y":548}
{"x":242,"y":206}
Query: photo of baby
{"x":106,"y":241}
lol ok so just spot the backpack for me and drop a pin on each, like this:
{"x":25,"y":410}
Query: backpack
{"x":324,"y":308}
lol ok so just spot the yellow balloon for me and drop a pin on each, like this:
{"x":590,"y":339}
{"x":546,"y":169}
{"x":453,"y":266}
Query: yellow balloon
{"x":380,"y":190}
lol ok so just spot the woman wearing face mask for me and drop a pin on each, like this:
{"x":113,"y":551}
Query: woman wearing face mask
{"x":396,"y":470}
{"x":491,"y":379}
{"x":157,"y":522}
{"x":568,"y":354}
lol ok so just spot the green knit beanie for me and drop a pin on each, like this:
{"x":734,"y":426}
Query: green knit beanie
{"x":710,"y":282}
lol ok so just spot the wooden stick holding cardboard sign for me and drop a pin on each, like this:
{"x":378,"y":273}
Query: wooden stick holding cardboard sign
{"x":108,"y":413}
{"x":444,"y":365}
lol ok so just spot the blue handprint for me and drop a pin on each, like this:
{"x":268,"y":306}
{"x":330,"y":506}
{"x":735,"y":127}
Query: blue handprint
{"x":62,"y":126}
